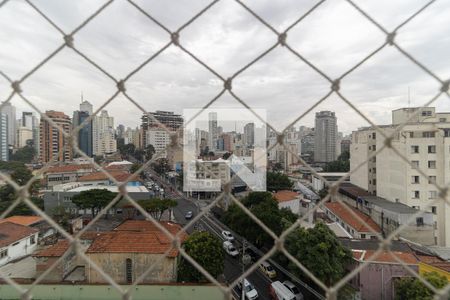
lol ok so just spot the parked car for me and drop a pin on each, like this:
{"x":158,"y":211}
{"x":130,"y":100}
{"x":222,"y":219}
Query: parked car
{"x":252,"y":254}
{"x":230,"y":249}
{"x":279,"y":291}
{"x":189,"y":215}
{"x":267,"y":269}
{"x":227,"y":235}
{"x":249,"y":290}
{"x":294,"y":290}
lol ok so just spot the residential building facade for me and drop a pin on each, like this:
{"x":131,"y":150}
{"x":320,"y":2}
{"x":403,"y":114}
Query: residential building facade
{"x":4,"y":149}
{"x":53,"y":145}
{"x":425,"y":143}
{"x":103,"y":137}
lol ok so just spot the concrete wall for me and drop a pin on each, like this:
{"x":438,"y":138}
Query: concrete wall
{"x":114,"y":264}
{"x":22,"y":248}
{"x":376,"y":281}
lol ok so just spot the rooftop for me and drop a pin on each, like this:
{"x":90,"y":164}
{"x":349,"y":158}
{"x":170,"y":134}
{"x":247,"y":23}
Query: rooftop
{"x":435,"y":262}
{"x":56,"y":250}
{"x":111,"y":188}
{"x":123,"y":162}
{"x":10,"y":233}
{"x":69,"y":168}
{"x":137,"y":236}
{"x":283,"y":196}
{"x":385,"y":256}
{"x":23,"y":220}
{"x":389,"y":205}
{"x":307,"y":193}
{"x":342,"y":211}
{"x":118,"y":175}
{"x":358,"y":244}
{"x":352,"y":191}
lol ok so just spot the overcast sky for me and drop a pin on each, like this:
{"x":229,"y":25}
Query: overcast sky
{"x":334,"y":38}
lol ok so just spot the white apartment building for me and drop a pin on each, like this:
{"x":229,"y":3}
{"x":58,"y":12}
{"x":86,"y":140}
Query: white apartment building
{"x":326,"y":135}
{"x":4,"y":153}
{"x":425,"y":142}
{"x":103,"y":138}
{"x":23,"y":135}
{"x":159,"y":138}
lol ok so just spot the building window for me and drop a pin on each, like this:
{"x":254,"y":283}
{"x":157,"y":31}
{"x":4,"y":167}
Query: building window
{"x":415,"y":194}
{"x":374,"y":147}
{"x":416,"y":207}
{"x":363,"y":236}
{"x":432,"y":194}
{"x":374,"y":181}
{"x":431,"y":164}
{"x":431,"y":179}
{"x":374,"y":135}
{"x":415,"y":179}
{"x":442,"y":120}
{"x":33,"y":240}
{"x":433,"y":209}
{"x":426,"y":113}
{"x":432,"y":149}
{"x":419,"y":221}
{"x":428,"y":134}
{"x":414,"y":149}
{"x":374,"y":170}
{"x":4,"y":253}
{"x":129,"y":270}
{"x":415,"y":164}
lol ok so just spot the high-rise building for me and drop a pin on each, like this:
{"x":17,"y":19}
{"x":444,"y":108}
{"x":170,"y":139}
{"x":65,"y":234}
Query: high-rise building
{"x":212,"y":130}
{"x":131,"y":136}
{"x":159,"y":138}
{"x":425,"y":143}
{"x":120,"y":131}
{"x":84,"y":136}
{"x":29,"y":122}
{"x":103,"y":136}
{"x":53,"y":145}
{"x":10,"y":111}
{"x":4,"y":151}
{"x":24,"y":136}
{"x":169,"y":119}
{"x":326,"y":134}
{"x":249,"y":135}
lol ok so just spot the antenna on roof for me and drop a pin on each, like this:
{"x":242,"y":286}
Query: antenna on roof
{"x":81,"y":96}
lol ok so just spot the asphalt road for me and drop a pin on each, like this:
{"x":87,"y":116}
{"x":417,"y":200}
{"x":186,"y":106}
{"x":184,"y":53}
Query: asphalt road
{"x":233,"y":267}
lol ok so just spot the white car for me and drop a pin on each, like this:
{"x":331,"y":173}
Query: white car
{"x":230,"y":249}
{"x":291,"y":287}
{"x":227,"y":235}
{"x":249,"y":290}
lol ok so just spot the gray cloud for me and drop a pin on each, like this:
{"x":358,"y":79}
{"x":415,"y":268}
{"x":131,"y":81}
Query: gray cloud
{"x":334,"y":38}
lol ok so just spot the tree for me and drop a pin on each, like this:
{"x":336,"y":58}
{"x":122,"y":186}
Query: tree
{"x":277,"y":167}
{"x":413,"y":289}
{"x":265,"y":208}
{"x":206,"y":250}
{"x":161,"y":166}
{"x":342,"y":164}
{"x":135,"y":167}
{"x":226,"y":155}
{"x":278,"y":181}
{"x":156,"y":207}
{"x":149,"y":150}
{"x":319,"y":250}
{"x":25,"y":154}
{"x":94,"y":200}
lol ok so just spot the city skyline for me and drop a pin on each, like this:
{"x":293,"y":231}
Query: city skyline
{"x":287,"y":88}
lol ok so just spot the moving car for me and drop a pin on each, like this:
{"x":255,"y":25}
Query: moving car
{"x":230,"y":249}
{"x":267,"y":269}
{"x":227,"y":235}
{"x":294,"y":290}
{"x":278,"y":291}
{"x":188,"y":215}
{"x":249,"y":290}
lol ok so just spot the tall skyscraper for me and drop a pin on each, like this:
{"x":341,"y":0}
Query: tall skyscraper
{"x":213,"y":131}
{"x":4,"y":153}
{"x":84,"y":136}
{"x":53,"y":145}
{"x":325,"y":136}
{"x":103,"y":136}
{"x":10,"y":111}
{"x":249,"y":134}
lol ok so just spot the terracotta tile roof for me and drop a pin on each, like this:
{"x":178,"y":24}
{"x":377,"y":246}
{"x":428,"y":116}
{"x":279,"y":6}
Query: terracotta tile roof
{"x":56,"y":250}
{"x":341,"y":211}
{"x":10,"y":233}
{"x":120,"y":176}
{"x":386,"y":256}
{"x":22,"y":220}
{"x":136,"y":236}
{"x":69,"y":168}
{"x":117,"y":167}
{"x":435,"y":262}
{"x":90,"y":235}
{"x":282,"y":196}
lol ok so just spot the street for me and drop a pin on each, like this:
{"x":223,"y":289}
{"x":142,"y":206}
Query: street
{"x":233,"y":267}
